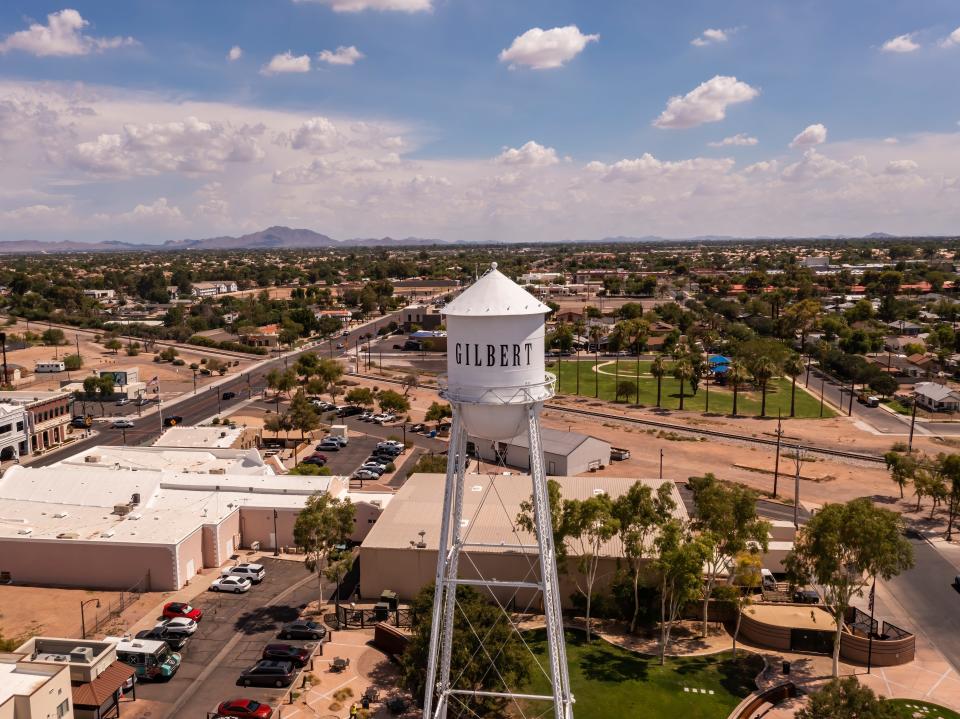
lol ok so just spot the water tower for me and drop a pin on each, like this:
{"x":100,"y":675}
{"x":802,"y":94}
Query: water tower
{"x":496,"y":385}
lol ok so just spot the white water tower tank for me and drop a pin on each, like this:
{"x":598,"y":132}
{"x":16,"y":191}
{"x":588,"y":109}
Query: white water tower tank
{"x":495,"y":348}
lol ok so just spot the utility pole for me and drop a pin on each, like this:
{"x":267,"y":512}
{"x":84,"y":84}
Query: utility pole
{"x":276,"y":536}
{"x":873,"y":597}
{"x":661,"y":463}
{"x":776,"y":463}
{"x":822,"y":381}
{"x":798,"y":458}
{"x":913,"y":422}
{"x":853,"y":386}
{"x":77,"y":336}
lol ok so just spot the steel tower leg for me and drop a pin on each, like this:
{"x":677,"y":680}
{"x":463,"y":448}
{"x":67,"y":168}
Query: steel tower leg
{"x":556,"y":645}
{"x":437,"y":629}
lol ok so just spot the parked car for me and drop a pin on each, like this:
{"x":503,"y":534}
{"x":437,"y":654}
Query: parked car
{"x":365,"y":475}
{"x":245,"y":709}
{"x":390,"y":452}
{"x":253,"y":572}
{"x":366,"y":416}
{"x":375,"y":462}
{"x":180,"y":626}
{"x":172,"y":610}
{"x":418,"y":427}
{"x":122,"y":424}
{"x":376,"y":469}
{"x":349,"y":411}
{"x":122,"y":401}
{"x":81,"y":422}
{"x":298,"y":656}
{"x":329,"y":446}
{"x":268,"y":673}
{"x":302,"y":629}
{"x":320,"y":456}
{"x":228,"y":395}
{"x":806,"y":596}
{"x":391,"y":443}
{"x":237,"y":585}
{"x":342,"y":441}
{"x":172,"y":420}
{"x":176,"y":642}
{"x":314,"y":460}
{"x":384,"y":418}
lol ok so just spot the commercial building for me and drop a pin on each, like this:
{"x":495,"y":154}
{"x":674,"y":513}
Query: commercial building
{"x":100,"y":294}
{"x":564,"y":453}
{"x":421,"y":316}
{"x":47,"y":417}
{"x":14,"y":442}
{"x":30,"y":690}
{"x":400,"y":552}
{"x":222,"y":437}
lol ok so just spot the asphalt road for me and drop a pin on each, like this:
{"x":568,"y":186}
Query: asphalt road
{"x":207,"y":403}
{"x":231,"y":636}
{"x":880,"y":419}
{"x":927,"y":594}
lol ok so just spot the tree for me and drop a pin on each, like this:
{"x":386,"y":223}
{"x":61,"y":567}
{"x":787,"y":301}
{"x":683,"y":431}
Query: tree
{"x":53,"y":336}
{"x":527,"y":522}
{"x":626,"y":388}
{"x":391,"y":401}
{"x":169,"y":354}
{"x":736,"y":376}
{"x":843,"y":548}
{"x":902,"y":468}
{"x":113,"y":344}
{"x":72,"y":362}
{"x":948,"y":467}
{"x":679,"y":565}
{"x":409,"y":382}
{"x":762,"y":369}
{"x":278,"y":423}
{"x":728,"y":524}
{"x":437,"y":412}
{"x":321,"y":525}
{"x":589,"y":524}
{"x":477,"y":625}
{"x":640,"y":513}
{"x":793,"y":367}
{"x":682,"y":370}
{"x":658,"y":368}
{"x":847,"y":699}
{"x":302,"y":414}
{"x":746,"y":576}
{"x":362,"y":396}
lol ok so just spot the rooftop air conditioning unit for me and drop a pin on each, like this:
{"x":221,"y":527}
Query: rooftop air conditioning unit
{"x":25,"y":530}
{"x":91,"y":458}
{"x":61,"y":515}
{"x":121,"y":509}
{"x":68,"y":535}
{"x":218,"y":470}
{"x":107,"y":534}
{"x":81,"y":654}
{"x":377,"y":503}
{"x":135,"y":516}
{"x":135,"y":498}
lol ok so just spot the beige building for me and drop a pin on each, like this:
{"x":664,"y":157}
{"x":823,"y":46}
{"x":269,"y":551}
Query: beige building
{"x":564,"y":453}
{"x":30,"y":690}
{"x":222,"y":437}
{"x":47,"y":415}
{"x":400,"y":552}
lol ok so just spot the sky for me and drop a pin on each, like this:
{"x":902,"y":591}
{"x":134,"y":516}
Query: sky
{"x":478,"y":120}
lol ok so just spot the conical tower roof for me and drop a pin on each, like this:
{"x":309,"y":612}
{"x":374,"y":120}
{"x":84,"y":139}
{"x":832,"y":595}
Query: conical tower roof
{"x":495,"y":295}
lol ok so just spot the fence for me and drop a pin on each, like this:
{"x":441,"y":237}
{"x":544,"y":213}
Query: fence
{"x":350,"y":617}
{"x":113,"y":608}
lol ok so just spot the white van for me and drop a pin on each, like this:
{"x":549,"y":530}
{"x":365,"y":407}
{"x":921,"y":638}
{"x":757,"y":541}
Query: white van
{"x":767,"y":580}
{"x":51,"y":366}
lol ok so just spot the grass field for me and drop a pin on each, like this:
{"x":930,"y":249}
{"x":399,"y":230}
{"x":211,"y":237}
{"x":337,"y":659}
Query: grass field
{"x":608,"y":681}
{"x":721,"y":398}
{"x":910,"y":708}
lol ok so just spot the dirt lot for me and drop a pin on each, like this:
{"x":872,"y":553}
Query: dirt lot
{"x":34,"y":611}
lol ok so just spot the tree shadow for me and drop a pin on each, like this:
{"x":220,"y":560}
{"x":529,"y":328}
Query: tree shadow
{"x":263,"y":619}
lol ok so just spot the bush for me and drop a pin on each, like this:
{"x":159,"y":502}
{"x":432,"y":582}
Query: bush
{"x":391,"y":467}
{"x":178,"y":362}
{"x":73,"y":362}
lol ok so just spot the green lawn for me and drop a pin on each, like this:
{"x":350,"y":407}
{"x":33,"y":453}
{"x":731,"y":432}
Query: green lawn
{"x":910,"y":708}
{"x":721,"y":398}
{"x":608,"y":681}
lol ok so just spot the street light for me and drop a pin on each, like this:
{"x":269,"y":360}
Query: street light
{"x":83,"y":622}
{"x":276,"y":536}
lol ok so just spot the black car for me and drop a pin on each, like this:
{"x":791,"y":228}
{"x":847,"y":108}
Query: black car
{"x":806,"y":596}
{"x":268,"y":673}
{"x":298,"y":656}
{"x":349,"y":411}
{"x":176,"y":642}
{"x":229,"y":395}
{"x":303,"y":629}
{"x":80,"y":422}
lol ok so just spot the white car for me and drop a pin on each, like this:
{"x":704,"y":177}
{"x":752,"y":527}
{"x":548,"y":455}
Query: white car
{"x":237,"y":585}
{"x":342,"y":441}
{"x":122,"y":424}
{"x":388,"y":443}
{"x":254,"y":573}
{"x":179,"y":626}
{"x":122,"y":401}
{"x":384,"y":418}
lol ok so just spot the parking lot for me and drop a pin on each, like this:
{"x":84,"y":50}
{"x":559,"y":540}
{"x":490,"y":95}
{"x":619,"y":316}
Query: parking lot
{"x":230,"y":638}
{"x":346,"y":461}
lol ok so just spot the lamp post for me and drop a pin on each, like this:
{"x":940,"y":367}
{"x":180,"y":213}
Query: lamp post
{"x":776,"y":463}
{"x":83,"y":621}
{"x":276,"y":536}
{"x":913,"y":422}
{"x":822,"y":382}
{"x":661,"y":463}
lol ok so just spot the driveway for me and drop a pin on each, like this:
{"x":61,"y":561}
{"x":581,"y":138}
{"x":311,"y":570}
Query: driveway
{"x":231,"y":635}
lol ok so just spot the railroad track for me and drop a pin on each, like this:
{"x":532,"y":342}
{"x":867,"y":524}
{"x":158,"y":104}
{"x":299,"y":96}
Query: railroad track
{"x":659,"y":424}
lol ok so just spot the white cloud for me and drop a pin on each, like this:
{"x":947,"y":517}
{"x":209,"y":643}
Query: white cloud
{"x":361,"y":5}
{"x":62,"y":36}
{"x":235,"y":53}
{"x":341,"y":56}
{"x":35,"y":213}
{"x":811,"y":135}
{"x":901,"y":44}
{"x":952,"y":39}
{"x":531,"y":154}
{"x":901,"y":167}
{"x":707,"y":102}
{"x":286,"y":62}
{"x":648,"y":167}
{"x":890,"y":140}
{"x":815,"y":166}
{"x":318,"y":134}
{"x":739,"y":140}
{"x":712,"y":36}
{"x":546,"y":49}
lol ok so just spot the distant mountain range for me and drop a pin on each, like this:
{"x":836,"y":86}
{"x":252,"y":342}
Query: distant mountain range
{"x":271,"y":238}
{"x":279,"y":237}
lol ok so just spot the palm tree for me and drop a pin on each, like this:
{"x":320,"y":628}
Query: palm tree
{"x":682,"y":370}
{"x":793,"y":367}
{"x":762,"y":370}
{"x":580,"y":328}
{"x":641,"y":331}
{"x":596,"y":334}
{"x":658,"y":369}
{"x":736,"y":375}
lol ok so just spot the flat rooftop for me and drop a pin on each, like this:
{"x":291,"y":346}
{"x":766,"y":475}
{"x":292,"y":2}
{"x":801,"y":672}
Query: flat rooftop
{"x":793,"y":616}
{"x":175,"y":459}
{"x":218,"y":437}
{"x":21,"y":678}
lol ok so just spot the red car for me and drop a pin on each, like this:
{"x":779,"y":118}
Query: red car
{"x":286,"y":653}
{"x":172,"y":610}
{"x":244,"y":708}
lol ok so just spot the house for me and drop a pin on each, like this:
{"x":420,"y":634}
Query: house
{"x":266,"y":336}
{"x":213,"y":288}
{"x":100,"y":294}
{"x":906,"y":328}
{"x":565,"y":453}
{"x":899,"y":344}
{"x":342,"y":316}
{"x":424,"y":317}
{"x":936,"y":397}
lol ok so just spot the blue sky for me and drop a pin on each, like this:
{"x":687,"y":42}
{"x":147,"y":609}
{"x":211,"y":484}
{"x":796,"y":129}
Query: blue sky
{"x":878,"y":78}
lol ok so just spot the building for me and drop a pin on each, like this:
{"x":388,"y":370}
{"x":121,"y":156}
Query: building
{"x":213,"y":288}
{"x":32,"y":690}
{"x":400,"y":552}
{"x":100,"y":294}
{"x":816,"y":262}
{"x":222,"y":437}
{"x":421,"y":316}
{"x":564,"y":453}
{"x":936,"y":397}
{"x":153,"y":517}
{"x":342,"y":316}
{"x":47,"y":416}
{"x":96,"y":675}
{"x":14,"y":441}
{"x":266,"y":336}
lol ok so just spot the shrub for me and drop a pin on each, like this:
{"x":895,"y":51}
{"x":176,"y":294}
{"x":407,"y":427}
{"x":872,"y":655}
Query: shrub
{"x":179,"y":362}
{"x":73,"y":362}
